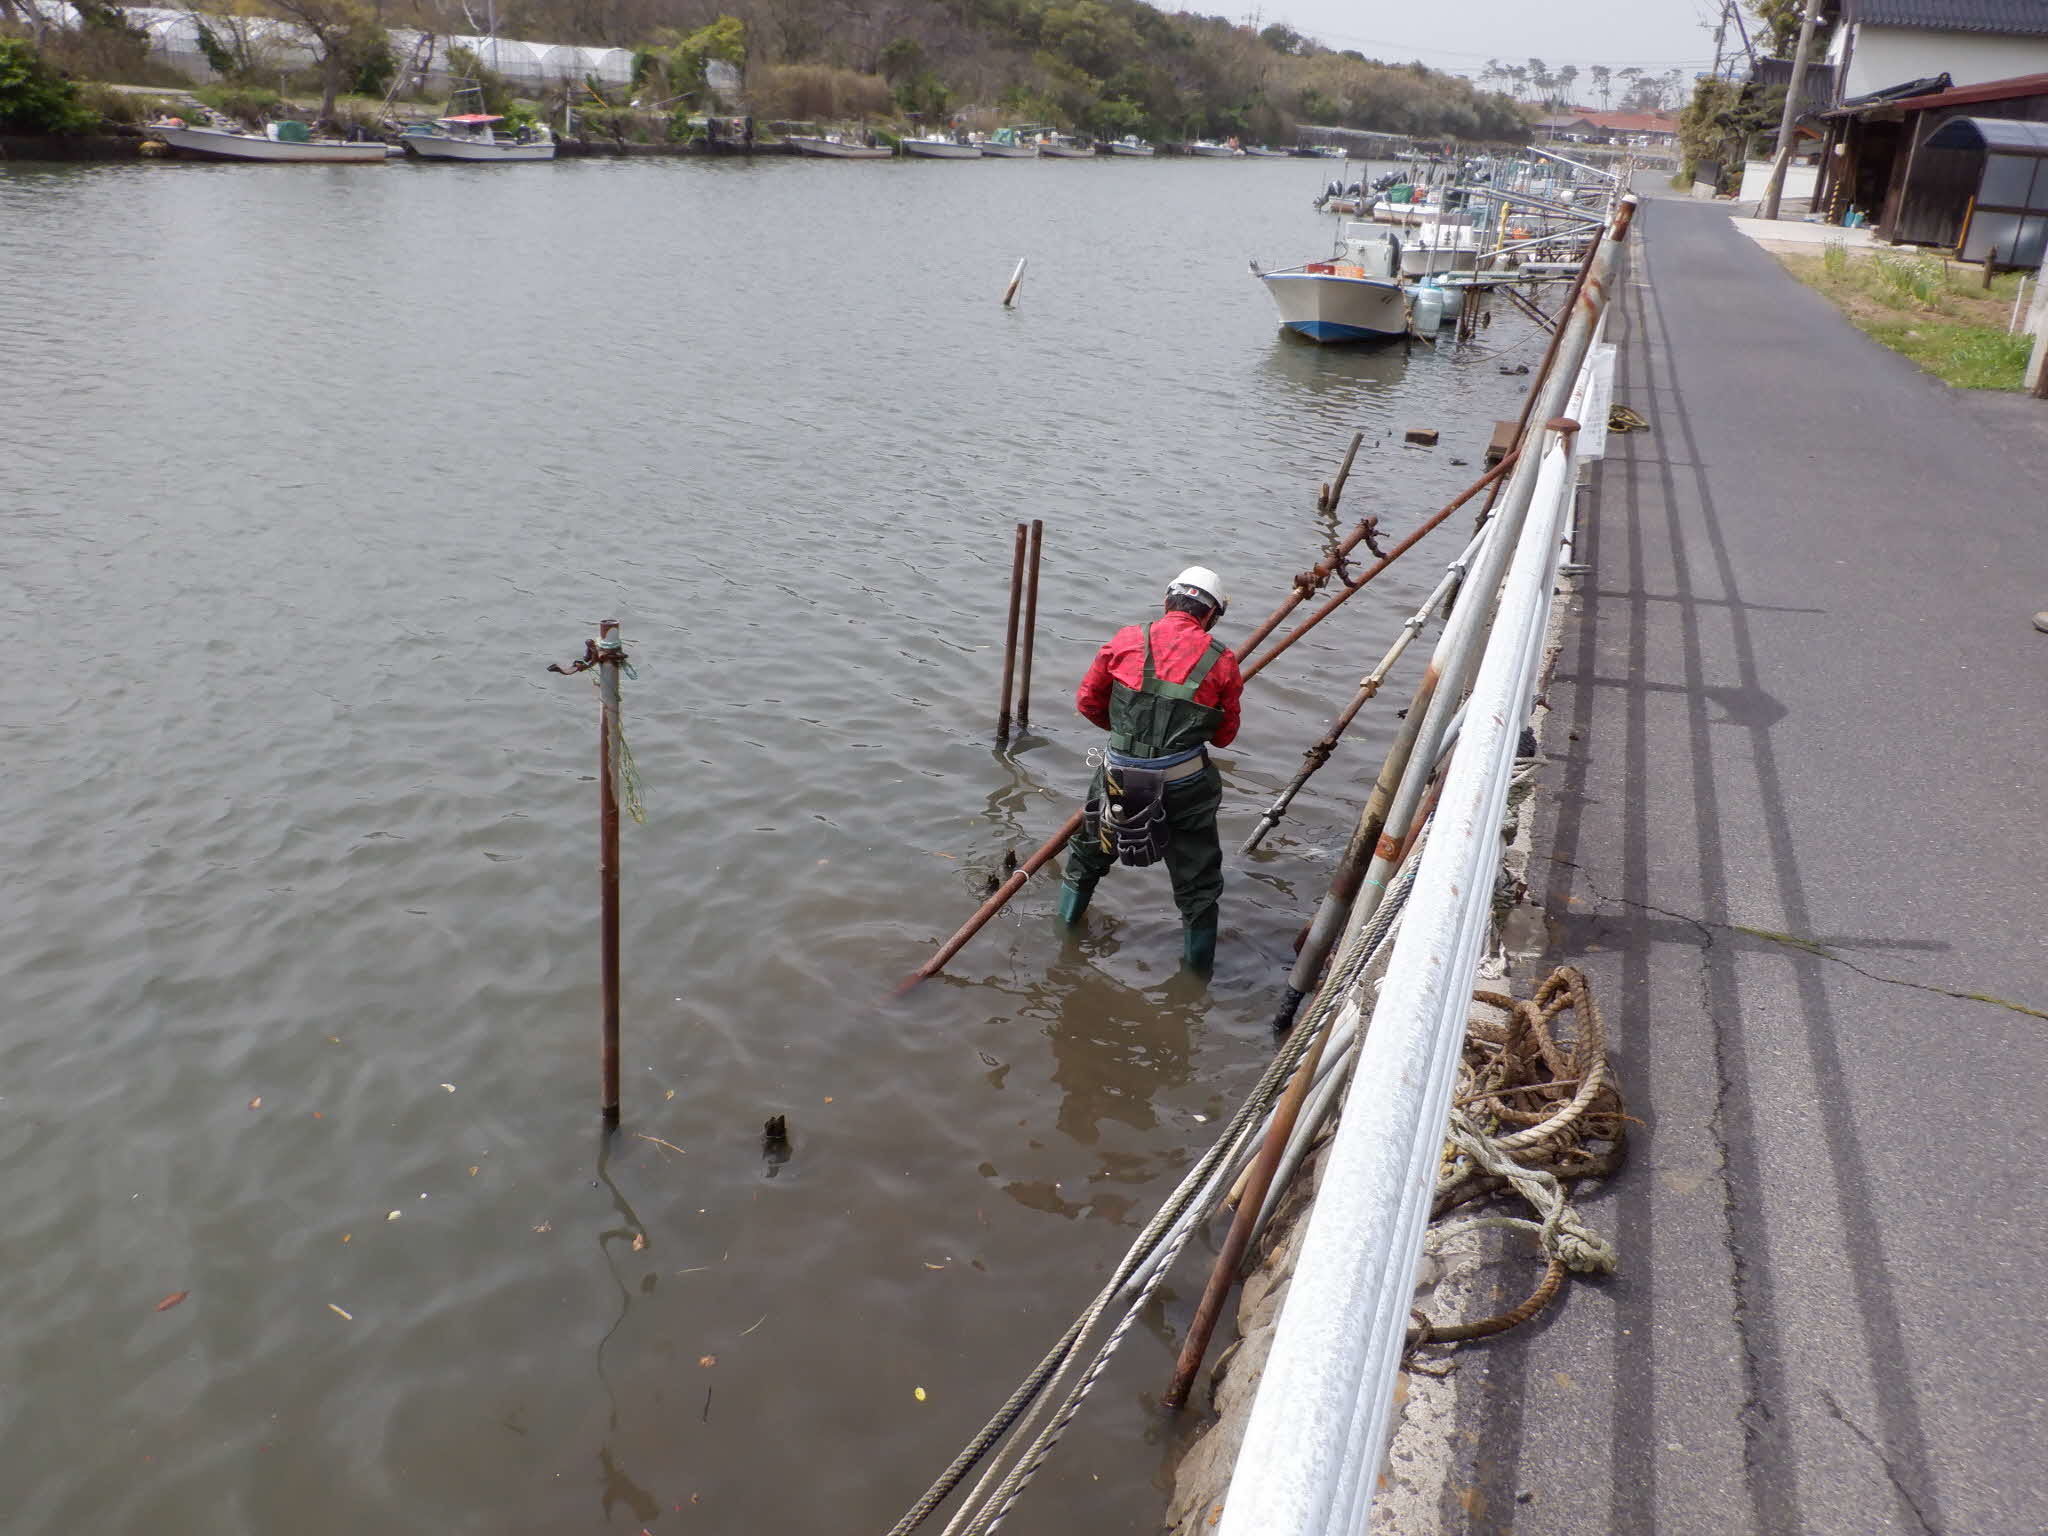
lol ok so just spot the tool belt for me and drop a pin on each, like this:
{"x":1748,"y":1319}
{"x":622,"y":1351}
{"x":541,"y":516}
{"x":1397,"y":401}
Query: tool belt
{"x":1129,"y":819}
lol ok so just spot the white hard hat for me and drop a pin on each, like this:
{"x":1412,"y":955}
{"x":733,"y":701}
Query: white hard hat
{"x":1199,"y":581}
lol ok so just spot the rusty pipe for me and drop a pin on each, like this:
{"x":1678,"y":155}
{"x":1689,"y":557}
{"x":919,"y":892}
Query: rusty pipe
{"x":995,"y":904}
{"x":1030,"y":622}
{"x":1010,"y":634}
{"x":1619,"y":231}
{"x":1223,"y":1275}
{"x":1311,"y":581}
{"x":610,"y":657}
{"x":1253,"y":668}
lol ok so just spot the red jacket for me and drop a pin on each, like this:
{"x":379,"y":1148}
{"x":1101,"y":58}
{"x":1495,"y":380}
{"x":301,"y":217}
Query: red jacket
{"x":1177,"y":644}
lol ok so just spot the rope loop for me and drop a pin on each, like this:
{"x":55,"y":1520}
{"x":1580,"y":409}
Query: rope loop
{"x":1536,"y":1109}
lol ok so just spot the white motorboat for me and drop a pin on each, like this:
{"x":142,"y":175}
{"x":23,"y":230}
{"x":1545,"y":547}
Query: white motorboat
{"x":282,"y":141}
{"x":1134,"y":147}
{"x":833,"y":146}
{"x":1353,"y":296}
{"x":1208,"y":149}
{"x":473,"y":136}
{"x":1433,"y":248}
{"x":1060,"y":146}
{"x":1260,"y":152}
{"x":937,"y":146}
{"x":1010,"y":144}
{"x":1388,"y":211}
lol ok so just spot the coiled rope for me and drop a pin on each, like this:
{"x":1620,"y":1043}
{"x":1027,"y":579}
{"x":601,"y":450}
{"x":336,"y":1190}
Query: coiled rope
{"x":1146,"y":1263}
{"x":1531,"y":1116}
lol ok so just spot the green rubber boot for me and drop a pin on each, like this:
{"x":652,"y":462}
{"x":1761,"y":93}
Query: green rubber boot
{"x":1074,"y":901}
{"x":1198,"y":947}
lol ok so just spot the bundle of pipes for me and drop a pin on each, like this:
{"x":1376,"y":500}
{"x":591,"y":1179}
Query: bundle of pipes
{"x":1389,"y":812}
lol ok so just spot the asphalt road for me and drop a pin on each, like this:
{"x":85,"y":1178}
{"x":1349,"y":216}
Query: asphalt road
{"x":1798,"y":838}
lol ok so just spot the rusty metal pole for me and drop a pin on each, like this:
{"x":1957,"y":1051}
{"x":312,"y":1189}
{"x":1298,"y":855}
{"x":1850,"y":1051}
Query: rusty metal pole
{"x":1030,"y":622}
{"x":1224,"y":1275}
{"x":1311,"y":581}
{"x":1253,"y":668}
{"x":1010,"y":635}
{"x":995,"y":904}
{"x":611,"y":656}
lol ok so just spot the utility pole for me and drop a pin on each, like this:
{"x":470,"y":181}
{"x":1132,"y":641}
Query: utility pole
{"x":1720,"y":35}
{"x":1787,"y":124}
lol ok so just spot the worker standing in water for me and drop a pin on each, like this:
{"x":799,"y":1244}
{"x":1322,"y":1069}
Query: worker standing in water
{"x":1165,"y":692}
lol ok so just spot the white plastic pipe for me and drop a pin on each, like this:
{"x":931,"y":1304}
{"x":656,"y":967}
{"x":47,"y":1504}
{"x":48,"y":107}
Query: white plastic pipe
{"x":1319,"y":1425}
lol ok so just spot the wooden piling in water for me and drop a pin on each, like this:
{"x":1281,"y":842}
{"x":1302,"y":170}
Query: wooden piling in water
{"x":1037,"y":545}
{"x":1010,"y":634}
{"x":611,"y":656}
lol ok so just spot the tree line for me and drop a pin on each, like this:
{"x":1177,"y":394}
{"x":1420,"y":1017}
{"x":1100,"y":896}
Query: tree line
{"x":1613,"y":90}
{"x":1108,"y":67}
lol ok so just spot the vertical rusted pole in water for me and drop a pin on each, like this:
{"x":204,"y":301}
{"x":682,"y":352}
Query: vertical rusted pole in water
{"x":1030,"y":622}
{"x":611,"y":656}
{"x":1010,"y":636}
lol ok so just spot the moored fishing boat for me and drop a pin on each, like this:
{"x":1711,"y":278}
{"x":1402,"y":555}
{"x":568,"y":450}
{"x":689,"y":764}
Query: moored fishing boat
{"x":1135,"y":148}
{"x":1261,"y":152}
{"x":474,"y":137}
{"x":939,"y":146}
{"x":1061,"y":146}
{"x":1209,"y":149}
{"x":1355,"y":295}
{"x":279,"y":142}
{"x":1010,"y":144}
{"x":1440,"y":247}
{"x":832,"y":146}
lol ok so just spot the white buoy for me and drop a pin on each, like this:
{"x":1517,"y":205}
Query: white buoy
{"x":1016,"y":282}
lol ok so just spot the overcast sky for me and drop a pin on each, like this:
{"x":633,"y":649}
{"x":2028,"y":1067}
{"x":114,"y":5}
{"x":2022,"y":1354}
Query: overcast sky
{"x":1654,"y":34}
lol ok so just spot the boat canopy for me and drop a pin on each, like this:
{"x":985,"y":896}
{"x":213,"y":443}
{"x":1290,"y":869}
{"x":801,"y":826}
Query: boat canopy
{"x":472,"y":119}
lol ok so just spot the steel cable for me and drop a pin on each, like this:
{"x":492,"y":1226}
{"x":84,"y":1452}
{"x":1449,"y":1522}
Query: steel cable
{"x":992,"y":1498}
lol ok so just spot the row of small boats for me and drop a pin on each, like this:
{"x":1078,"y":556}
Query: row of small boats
{"x":1027,"y":143}
{"x":1477,"y":224}
{"x":474,"y":137}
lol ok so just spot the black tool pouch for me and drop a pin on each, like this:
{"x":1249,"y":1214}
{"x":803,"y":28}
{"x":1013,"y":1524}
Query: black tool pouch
{"x":1133,"y":815}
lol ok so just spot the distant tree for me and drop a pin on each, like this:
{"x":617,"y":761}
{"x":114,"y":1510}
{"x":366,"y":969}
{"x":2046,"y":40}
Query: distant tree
{"x":1780,"y":19}
{"x":33,"y":97}
{"x":1541,"y":81}
{"x":343,"y":35}
{"x":901,"y":60}
{"x":1567,"y":78}
{"x":1723,"y":119}
{"x":1282,"y":39}
{"x":672,"y":65}
{"x":1603,"y":83}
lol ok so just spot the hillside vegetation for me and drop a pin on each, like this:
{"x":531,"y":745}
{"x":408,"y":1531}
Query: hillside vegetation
{"x":1108,"y":67}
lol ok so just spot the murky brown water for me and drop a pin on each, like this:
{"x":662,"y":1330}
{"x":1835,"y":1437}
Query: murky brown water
{"x":309,"y":473}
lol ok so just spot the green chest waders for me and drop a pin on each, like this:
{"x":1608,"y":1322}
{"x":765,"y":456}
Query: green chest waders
{"x":1154,"y":730}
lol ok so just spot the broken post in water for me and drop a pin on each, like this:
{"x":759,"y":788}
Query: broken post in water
{"x":1030,"y":622}
{"x":607,"y":653}
{"x":1010,"y":634}
{"x":1016,"y":282}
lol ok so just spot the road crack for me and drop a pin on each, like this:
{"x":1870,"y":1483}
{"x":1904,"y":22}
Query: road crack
{"x":1905,"y":1494}
{"x":1806,"y":946}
